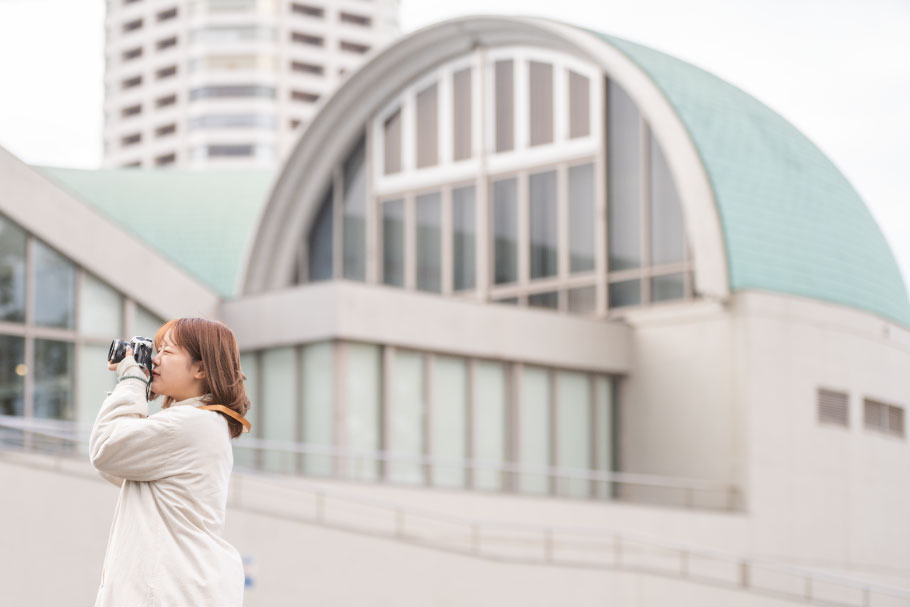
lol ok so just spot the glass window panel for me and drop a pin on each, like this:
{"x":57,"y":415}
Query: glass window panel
{"x":95,"y":381}
{"x":243,"y":456}
{"x":12,"y":272}
{"x":55,"y":288}
{"x":406,"y":410}
{"x":489,"y":424}
{"x":625,"y":293}
{"x":603,"y":430}
{"x":146,"y":324}
{"x":279,"y":400}
{"x":543,"y":241}
{"x":579,"y":106}
{"x":428,"y":127}
{"x":392,"y":151}
{"x":667,"y":232}
{"x":393,"y":242}
{"x":665,"y":288}
{"x":582,"y":300}
{"x":505,"y":102}
{"x":355,"y":207}
{"x":318,"y":405}
{"x":534,"y":430}
{"x":319,"y":243}
{"x":54,"y":379}
{"x":100,"y":308}
{"x":362,"y":386}
{"x":505,"y":230}
{"x":624,"y":180}
{"x":582,"y":218}
{"x":429,"y":242}
{"x":461,"y":114}
{"x":544,"y":300}
{"x":12,"y":375}
{"x":573,"y":436}
{"x":511,"y":301}
{"x":540,"y":84}
{"x":463,"y":238}
{"x":448,"y":419}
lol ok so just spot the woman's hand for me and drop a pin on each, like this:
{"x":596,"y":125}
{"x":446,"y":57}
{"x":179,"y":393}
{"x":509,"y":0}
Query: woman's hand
{"x":129,"y":352}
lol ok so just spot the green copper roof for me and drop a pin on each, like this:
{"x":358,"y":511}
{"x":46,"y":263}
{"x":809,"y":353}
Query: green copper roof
{"x":203,"y":221}
{"x":792,"y":222}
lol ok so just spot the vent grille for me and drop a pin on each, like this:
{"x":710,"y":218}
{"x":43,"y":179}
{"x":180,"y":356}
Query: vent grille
{"x":883,"y":417}
{"x":833,"y":407}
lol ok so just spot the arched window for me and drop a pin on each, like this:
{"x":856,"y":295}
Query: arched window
{"x":512,"y":175}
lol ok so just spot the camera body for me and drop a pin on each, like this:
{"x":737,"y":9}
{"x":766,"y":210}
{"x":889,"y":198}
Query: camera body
{"x":142,"y":351}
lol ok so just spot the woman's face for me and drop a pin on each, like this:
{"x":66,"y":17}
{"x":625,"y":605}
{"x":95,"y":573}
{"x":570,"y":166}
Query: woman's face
{"x":175,"y":373}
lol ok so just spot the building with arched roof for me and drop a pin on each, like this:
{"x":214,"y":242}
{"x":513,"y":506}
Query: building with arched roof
{"x":516,"y":260}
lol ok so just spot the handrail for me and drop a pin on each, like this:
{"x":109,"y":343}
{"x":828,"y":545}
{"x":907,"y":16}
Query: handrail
{"x":554,"y":545}
{"x":717,"y":495}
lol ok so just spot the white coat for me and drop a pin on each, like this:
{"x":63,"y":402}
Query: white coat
{"x":165,"y":547}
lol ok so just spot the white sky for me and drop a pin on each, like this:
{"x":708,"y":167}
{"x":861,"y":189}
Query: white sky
{"x":837,"y":69}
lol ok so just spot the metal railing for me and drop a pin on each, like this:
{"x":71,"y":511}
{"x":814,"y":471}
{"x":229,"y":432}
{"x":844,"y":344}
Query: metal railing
{"x":551,"y":545}
{"x":316,"y":461}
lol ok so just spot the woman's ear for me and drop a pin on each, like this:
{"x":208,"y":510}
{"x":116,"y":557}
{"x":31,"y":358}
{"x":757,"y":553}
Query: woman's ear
{"x":198,"y":371}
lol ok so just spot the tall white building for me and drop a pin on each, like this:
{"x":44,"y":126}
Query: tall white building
{"x":226,"y":83}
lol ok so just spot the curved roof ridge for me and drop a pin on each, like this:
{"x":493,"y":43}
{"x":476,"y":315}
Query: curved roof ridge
{"x":775,"y":188}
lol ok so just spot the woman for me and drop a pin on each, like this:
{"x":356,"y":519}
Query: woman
{"x":165,"y":546}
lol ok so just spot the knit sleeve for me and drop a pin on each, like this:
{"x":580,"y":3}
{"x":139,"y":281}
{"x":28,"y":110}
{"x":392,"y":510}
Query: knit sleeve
{"x":125,"y":442}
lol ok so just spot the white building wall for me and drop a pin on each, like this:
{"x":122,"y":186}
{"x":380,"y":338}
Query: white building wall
{"x":273,"y":68}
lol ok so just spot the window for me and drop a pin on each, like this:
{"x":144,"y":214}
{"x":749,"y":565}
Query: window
{"x":317,"y":373}
{"x":448,"y":418}
{"x":232,"y":90}
{"x":573,"y":435}
{"x":166,"y":101}
{"x":462,"y":105}
{"x":230,"y":151}
{"x":132,"y":110}
{"x":167,"y":129}
{"x":427,"y":127}
{"x":307,"y":39}
{"x":307,"y":9}
{"x":320,"y":242}
{"x":307,"y":68}
{"x":166,"y":159}
{"x":167,"y":15}
{"x":131,"y":26}
{"x":505,"y":231}
{"x":543,"y":225}
{"x":488,"y":420}
{"x":582,"y":218}
{"x":579,"y":106}
{"x":429,"y":242}
{"x":166,"y":72}
{"x":354,"y":214}
{"x":393,"y":227}
{"x":668,"y":242}
{"x":353,"y":19}
{"x":166,"y":43}
{"x":540,"y":83}
{"x":353,"y":47}
{"x":304,"y":96}
{"x":392,"y":143}
{"x":54,"y":362}
{"x":133,"y":53}
{"x":624,"y":196}
{"x":230,"y":121}
{"x":505,"y":101}
{"x":231,"y":34}
{"x":131,"y":139}
{"x":130,"y":83}
{"x":406,"y":412}
{"x":55,"y":288}
{"x":463,"y":238}
{"x":12,"y":374}
{"x":12,"y":272}
{"x":534,"y":428}
{"x":882,"y":417}
{"x":833,"y":407}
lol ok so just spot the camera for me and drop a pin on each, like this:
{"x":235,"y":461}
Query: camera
{"x":142,"y":351}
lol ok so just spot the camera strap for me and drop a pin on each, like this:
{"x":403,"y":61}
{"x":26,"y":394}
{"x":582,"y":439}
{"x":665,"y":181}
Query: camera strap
{"x":230,"y":413}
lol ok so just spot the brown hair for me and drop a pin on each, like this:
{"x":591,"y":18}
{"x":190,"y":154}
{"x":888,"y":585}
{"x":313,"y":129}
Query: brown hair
{"x":212,"y":343}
